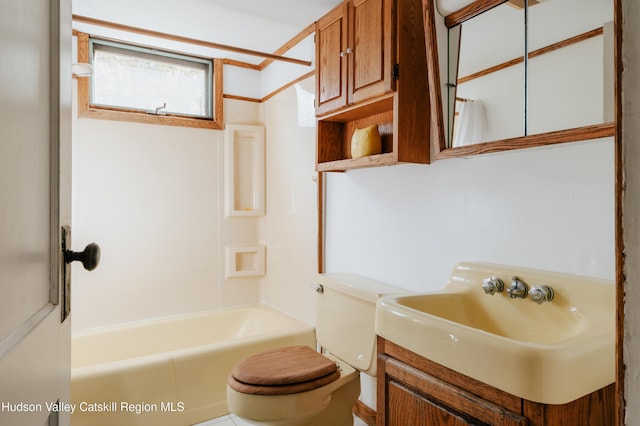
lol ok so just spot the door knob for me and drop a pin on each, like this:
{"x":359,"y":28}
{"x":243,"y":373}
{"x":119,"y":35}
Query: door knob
{"x":90,"y":256}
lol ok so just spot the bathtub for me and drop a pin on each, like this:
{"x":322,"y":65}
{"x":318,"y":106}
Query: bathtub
{"x":170,"y":371}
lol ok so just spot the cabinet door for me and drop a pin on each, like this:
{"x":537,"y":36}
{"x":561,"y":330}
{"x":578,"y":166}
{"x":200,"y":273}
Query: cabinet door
{"x":406,"y":406}
{"x":331,"y":60}
{"x":371,"y":40}
{"x":417,"y":398}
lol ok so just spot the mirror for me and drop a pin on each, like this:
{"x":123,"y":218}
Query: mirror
{"x":495,"y":97}
{"x":571,"y":61}
{"x":486,"y":103}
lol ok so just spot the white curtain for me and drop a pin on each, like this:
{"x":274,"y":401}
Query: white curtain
{"x":471,"y":127}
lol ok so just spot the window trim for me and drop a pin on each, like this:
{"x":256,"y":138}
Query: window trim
{"x":87,"y":110}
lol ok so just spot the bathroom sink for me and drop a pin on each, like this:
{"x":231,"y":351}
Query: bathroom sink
{"x":553,"y":352}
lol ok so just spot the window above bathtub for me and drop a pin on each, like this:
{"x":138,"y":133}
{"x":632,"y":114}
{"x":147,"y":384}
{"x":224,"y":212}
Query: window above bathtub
{"x":143,"y":84}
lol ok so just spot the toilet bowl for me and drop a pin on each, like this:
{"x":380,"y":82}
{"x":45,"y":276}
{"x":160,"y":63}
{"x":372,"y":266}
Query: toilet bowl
{"x":299,"y":386}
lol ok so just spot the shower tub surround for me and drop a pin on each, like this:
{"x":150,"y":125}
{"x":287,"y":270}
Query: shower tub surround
{"x":173,"y":370}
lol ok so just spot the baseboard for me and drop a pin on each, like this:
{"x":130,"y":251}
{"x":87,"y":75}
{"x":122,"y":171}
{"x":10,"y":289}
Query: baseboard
{"x":365,"y":413}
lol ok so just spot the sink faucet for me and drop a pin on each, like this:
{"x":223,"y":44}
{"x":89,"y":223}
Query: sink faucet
{"x":541,"y":293}
{"x":492,"y":285}
{"x":518,"y":288}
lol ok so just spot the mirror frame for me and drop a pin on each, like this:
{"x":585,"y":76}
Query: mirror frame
{"x":576,"y":134}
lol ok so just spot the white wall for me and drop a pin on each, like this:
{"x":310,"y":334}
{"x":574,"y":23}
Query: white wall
{"x":548,"y":208}
{"x":148,"y":195}
{"x":291,"y":221}
{"x":151,"y":197}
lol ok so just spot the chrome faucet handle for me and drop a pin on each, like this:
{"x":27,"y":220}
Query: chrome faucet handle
{"x":492,"y":285}
{"x":541,"y":293}
{"x":518,"y":288}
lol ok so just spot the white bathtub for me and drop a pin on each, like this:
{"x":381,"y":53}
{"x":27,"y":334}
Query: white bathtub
{"x":171,"y":371}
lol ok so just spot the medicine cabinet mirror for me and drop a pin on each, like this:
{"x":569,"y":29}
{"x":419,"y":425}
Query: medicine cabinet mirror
{"x":511,"y":74}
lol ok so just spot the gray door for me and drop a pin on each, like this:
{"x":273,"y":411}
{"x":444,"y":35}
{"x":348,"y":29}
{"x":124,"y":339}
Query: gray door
{"x":35,"y":139}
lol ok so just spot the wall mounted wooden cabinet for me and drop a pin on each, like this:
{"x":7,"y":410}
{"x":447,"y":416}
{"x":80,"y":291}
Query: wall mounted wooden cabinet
{"x":371,"y":69}
{"x":413,"y":390}
{"x":354,"y":58}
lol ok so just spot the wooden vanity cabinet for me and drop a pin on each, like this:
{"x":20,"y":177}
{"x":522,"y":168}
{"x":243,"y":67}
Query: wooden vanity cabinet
{"x":412,"y":390}
{"x":371,"y":69}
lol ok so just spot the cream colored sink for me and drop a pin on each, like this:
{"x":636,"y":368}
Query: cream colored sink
{"x":553,"y":353}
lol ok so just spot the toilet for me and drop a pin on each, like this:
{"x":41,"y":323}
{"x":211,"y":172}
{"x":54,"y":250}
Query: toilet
{"x":297,"y":385}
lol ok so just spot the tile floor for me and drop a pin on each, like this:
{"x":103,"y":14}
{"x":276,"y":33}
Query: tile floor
{"x":232,"y":420}
{"x":229,"y":420}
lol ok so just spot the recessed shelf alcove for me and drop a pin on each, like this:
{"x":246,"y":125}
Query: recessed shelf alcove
{"x":244,"y":170}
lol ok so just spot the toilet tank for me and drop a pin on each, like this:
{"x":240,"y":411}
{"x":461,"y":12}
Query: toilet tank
{"x":345,"y":324}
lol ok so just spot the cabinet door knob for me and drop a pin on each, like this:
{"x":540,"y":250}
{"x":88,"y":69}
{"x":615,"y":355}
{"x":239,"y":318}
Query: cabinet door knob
{"x":346,"y":52}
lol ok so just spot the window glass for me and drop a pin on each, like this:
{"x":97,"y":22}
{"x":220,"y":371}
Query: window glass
{"x":148,"y":80}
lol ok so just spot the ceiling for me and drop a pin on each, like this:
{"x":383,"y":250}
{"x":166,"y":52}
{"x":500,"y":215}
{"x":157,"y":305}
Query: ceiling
{"x":259,"y":25}
{"x":297,"y":13}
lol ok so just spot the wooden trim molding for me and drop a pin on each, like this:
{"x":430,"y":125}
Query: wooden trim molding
{"x":241,"y":98}
{"x":311,"y":29}
{"x":468,"y":12}
{"x":433,"y":67}
{"x":364,"y":413}
{"x":188,"y":40}
{"x":530,"y":141}
{"x":83,"y":83}
{"x":137,"y":117}
{"x":619,"y":219}
{"x":321,"y":221}
{"x":241,"y":64}
{"x":217,"y":102}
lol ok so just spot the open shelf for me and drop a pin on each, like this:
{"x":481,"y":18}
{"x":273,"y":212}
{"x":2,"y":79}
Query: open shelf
{"x":335,"y":132}
{"x":385,"y":159}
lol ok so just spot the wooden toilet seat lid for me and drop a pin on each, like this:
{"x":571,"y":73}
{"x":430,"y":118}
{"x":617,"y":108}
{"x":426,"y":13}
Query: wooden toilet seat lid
{"x":282,"y":371}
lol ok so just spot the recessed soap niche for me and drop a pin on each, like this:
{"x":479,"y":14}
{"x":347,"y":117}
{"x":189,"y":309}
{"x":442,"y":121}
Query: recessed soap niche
{"x":244,"y":261}
{"x":244,"y":170}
